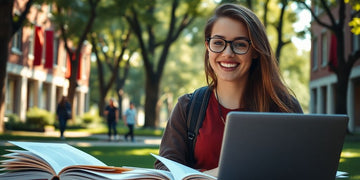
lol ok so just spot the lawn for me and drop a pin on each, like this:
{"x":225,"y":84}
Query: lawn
{"x":124,"y":156}
{"x":140,"y":156}
{"x":350,"y":157}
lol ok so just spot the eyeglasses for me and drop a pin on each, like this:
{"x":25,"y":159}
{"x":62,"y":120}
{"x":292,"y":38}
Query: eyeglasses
{"x":238,"y":46}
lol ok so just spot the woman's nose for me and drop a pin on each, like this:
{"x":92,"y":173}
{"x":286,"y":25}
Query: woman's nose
{"x":228,"y":51}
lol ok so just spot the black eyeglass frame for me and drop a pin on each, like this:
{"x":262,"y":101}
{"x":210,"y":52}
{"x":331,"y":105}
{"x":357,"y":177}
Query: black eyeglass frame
{"x":231,"y":44}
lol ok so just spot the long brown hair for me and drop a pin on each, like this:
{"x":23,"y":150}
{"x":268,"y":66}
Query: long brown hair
{"x":265,"y":91}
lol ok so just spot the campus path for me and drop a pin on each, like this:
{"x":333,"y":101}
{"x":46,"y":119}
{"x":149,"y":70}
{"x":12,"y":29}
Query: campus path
{"x":98,"y":139}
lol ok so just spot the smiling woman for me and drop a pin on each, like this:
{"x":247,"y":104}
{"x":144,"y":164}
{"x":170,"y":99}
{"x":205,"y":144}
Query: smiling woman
{"x":242,"y":75}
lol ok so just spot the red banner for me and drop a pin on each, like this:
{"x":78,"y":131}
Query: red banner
{"x":38,"y":45}
{"x":68,"y":66}
{"x":333,"y":52}
{"x":79,"y":67}
{"x":49,"y":52}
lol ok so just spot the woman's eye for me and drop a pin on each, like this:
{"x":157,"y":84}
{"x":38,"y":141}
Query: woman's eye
{"x":239,"y":44}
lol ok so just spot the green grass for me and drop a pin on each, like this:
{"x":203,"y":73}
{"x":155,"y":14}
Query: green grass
{"x":140,"y":156}
{"x":24,"y":136}
{"x":122,"y":129}
{"x":124,"y":156}
{"x":350,"y":157}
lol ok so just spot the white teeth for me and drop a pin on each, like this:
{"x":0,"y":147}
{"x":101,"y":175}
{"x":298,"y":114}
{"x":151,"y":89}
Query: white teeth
{"x":228,"y":65}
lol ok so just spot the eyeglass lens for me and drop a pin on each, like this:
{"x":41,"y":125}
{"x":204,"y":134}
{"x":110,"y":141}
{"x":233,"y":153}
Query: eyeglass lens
{"x":239,"y":46}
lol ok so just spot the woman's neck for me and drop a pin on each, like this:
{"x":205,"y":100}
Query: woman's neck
{"x":230,"y":94}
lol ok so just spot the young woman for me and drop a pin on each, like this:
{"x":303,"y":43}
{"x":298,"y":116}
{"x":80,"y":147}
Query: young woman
{"x":242,"y":74}
{"x":63,"y":113}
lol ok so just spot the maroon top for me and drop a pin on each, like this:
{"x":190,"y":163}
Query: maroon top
{"x":207,"y":149}
{"x":207,"y":153}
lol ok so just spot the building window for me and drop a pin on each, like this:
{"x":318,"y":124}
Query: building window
{"x":324,"y":100}
{"x":31,"y":94}
{"x":315,"y":54}
{"x":31,"y":43}
{"x":45,"y":96}
{"x":324,"y":50}
{"x":17,"y":42}
{"x":56,"y":51}
{"x":10,"y":96}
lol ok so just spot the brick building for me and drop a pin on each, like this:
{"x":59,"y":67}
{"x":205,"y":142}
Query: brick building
{"x":38,"y":66}
{"x":322,"y":80}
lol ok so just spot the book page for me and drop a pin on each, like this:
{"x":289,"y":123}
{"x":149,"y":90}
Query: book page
{"x":29,"y":174}
{"x":182,"y":172}
{"x":21,"y":158}
{"x":59,"y":155}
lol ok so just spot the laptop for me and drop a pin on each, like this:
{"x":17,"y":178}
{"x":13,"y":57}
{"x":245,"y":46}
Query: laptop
{"x":281,"y":146}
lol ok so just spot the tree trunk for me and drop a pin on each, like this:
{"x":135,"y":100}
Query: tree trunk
{"x":120,"y":99}
{"x":73,"y":84}
{"x":6,"y":7}
{"x":152,"y":96}
{"x":75,"y":63}
{"x":341,"y":91}
{"x":102,"y":105}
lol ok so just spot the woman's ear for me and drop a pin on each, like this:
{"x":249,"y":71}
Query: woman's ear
{"x":207,"y":44}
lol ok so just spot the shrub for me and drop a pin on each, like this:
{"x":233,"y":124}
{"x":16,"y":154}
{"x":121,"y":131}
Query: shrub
{"x":37,"y":119}
{"x":13,"y":122}
{"x":91,"y":117}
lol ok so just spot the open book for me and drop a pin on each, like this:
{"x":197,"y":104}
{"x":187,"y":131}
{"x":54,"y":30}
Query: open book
{"x":62,"y":161}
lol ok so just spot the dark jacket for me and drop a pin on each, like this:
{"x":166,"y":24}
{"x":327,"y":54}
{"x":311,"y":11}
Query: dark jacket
{"x":173,"y":144}
{"x":64,"y":111}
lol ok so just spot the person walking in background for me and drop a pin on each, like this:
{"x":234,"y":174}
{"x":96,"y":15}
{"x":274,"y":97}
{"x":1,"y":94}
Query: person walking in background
{"x":63,"y":113}
{"x":112,"y":116}
{"x":129,"y":120}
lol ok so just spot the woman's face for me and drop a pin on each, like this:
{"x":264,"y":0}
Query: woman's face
{"x":227,"y":65}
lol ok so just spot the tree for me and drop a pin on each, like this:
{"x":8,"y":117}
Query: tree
{"x":355,"y":22}
{"x":112,"y":48}
{"x":116,"y":65}
{"x":344,"y":63}
{"x":150,"y":38}
{"x":70,"y":31}
{"x":285,"y":16}
{"x":9,"y":24}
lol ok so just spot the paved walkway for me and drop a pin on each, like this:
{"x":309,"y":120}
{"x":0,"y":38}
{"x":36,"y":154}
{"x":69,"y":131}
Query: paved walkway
{"x":99,"y":139}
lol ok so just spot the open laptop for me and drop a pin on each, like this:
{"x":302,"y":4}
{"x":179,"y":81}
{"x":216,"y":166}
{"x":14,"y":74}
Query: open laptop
{"x":281,"y":146}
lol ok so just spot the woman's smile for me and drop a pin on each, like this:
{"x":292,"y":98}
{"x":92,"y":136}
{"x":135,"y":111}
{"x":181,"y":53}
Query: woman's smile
{"x":229,"y":64}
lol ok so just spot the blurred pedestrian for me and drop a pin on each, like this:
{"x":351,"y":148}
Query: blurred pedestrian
{"x":63,"y":113}
{"x":112,"y":116}
{"x":130,"y":120}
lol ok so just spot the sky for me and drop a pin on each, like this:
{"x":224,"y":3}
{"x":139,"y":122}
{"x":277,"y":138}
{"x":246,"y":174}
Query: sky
{"x":304,"y":21}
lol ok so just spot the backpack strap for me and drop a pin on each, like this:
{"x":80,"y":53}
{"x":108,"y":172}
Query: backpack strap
{"x":196,"y":110}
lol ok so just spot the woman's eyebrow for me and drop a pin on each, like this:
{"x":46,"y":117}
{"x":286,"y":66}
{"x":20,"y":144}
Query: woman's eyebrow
{"x":222,"y":37}
{"x":218,"y":36}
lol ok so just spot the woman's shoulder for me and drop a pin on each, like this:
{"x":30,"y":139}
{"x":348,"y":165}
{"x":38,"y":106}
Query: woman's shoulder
{"x":184,"y":100}
{"x":295,"y":105}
